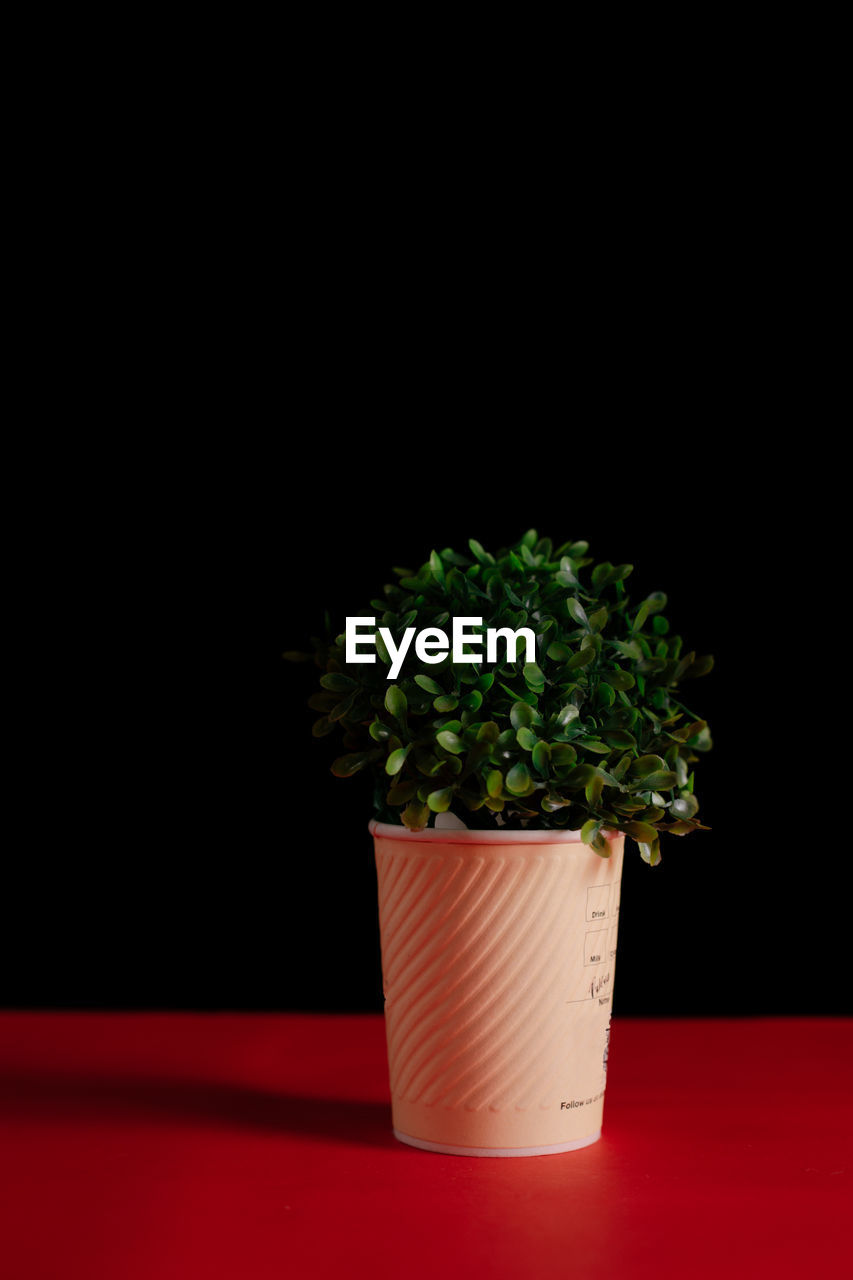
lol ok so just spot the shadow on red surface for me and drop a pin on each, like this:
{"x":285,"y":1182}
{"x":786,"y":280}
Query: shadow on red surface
{"x":57,"y":1096}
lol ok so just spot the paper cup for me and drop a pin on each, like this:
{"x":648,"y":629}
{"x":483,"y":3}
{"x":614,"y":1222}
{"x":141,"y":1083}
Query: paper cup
{"x":498,"y":961}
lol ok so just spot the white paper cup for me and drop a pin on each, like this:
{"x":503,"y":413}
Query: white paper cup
{"x":498,"y":961}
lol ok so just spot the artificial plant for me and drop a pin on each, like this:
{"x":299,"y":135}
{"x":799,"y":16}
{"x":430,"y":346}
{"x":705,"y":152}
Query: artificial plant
{"x":593,"y":735}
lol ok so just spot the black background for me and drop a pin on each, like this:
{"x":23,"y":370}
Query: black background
{"x":181,"y":840}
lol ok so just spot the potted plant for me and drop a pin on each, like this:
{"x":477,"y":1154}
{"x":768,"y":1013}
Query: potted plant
{"x":520,"y":717}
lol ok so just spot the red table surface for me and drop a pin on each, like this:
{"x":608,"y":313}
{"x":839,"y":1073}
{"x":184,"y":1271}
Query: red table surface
{"x":250,"y":1146}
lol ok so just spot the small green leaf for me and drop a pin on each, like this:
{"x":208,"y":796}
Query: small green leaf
{"x":553,"y":802}
{"x":652,"y":814}
{"x":645,"y":765}
{"x":526,"y":738}
{"x":650,"y":852}
{"x":691,"y":730}
{"x":641,"y":832}
{"x":640,"y":617}
{"x":518,"y":779}
{"x":401,"y":793}
{"x":567,"y":576}
{"x":416,"y":816}
{"x":322,"y":701}
{"x":346,"y":766}
{"x":590,"y":830}
{"x":337,"y":682}
{"x":396,"y":760}
{"x":494,"y":783}
{"x":577,"y":611}
{"x":436,"y":566}
{"x":685,"y":806}
{"x":541,"y":758}
{"x":567,"y":713}
{"x":606,"y":695}
{"x":700,"y":667}
{"x":447,"y":702}
{"x":395,"y":701}
{"x":663,"y":780}
{"x":533,"y":675}
{"x":628,"y":649}
{"x":428,"y":684}
{"x":450,"y":742}
{"x":439,"y":801}
{"x":628,"y":808}
{"x":344,"y":707}
{"x":620,"y":769}
{"x":521,"y":715}
{"x":618,"y":678}
{"x":528,"y":697}
{"x":579,"y":776}
{"x":479,"y":552}
{"x":582,"y":658}
{"x":593,"y":789}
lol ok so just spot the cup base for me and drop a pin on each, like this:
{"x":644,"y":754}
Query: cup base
{"x":497,"y":1151}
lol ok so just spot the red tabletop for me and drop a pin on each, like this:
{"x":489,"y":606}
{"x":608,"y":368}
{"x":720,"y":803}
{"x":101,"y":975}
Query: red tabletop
{"x":247,"y":1147}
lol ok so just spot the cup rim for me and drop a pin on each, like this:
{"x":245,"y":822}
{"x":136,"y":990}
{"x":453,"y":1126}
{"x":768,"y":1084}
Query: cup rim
{"x":450,"y":835}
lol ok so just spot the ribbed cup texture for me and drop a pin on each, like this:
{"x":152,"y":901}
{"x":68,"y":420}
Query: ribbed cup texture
{"x":490,"y":1005}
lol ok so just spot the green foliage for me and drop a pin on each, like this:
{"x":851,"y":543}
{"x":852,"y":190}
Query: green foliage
{"x":592,"y":735}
